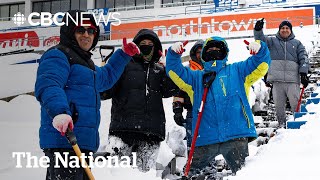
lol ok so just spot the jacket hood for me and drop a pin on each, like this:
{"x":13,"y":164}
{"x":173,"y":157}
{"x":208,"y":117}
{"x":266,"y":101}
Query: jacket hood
{"x":193,"y":50}
{"x":214,"y":65}
{"x":149,"y":34}
{"x":67,"y":32}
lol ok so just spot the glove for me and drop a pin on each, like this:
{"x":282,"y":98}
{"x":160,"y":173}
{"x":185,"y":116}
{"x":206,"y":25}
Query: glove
{"x":177,"y":108}
{"x":259,"y":25}
{"x":304,"y":79}
{"x":268,"y":84}
{"x":61,"y":122}
{"x":178,"y":47}
{"x":130,"y":48}
{"x":178,"y":118}
{"x":253,"y":47}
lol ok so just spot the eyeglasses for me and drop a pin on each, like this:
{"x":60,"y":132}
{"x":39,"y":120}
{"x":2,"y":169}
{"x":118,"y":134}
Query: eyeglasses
{"x":82,"y":30}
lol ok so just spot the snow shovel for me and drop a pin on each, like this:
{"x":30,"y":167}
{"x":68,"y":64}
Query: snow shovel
{"x":207,"y":84}
{"x":300,"y":98}
{"x":105,"y":58}
{"x":73,"y":141}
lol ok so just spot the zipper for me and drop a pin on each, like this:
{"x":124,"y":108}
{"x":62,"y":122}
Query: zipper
{"x":223,"y":87}
{"x":245,"y":114}
{"x":147,"y":87}
{"x":285,"y":58}
{"x":96,"y":94}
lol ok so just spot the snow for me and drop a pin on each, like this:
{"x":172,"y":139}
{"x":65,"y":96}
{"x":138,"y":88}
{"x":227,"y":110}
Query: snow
{"x":291,"y":154}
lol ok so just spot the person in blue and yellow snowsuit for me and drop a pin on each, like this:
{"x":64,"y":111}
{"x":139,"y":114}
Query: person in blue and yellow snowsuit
{"x":227,"y":122}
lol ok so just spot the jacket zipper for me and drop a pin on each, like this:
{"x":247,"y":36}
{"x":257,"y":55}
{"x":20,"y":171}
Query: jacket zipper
{"x":147,"y":87}
{"x":223,"y":87}
{"x":95,"y":91}
{"x":285,"y":58}
{"x":245,"y":114}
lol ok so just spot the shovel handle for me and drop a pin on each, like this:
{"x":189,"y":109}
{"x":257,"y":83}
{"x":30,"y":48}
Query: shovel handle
{"x":73,"y":141}
{"x":86,"y":168}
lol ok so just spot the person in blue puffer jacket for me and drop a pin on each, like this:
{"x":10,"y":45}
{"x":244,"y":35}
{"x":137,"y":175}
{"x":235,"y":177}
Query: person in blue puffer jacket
{"x":227,"y":122}
{"x":68,"y":83}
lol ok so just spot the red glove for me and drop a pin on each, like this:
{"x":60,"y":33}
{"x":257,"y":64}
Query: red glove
{"x":61,"y":122}
{"x":130,"y":48}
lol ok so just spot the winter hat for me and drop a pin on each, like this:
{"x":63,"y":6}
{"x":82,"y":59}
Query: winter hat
{"x":285,"y":23}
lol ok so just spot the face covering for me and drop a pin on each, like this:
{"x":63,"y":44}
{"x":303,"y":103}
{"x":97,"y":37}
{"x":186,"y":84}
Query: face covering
{"x":215,"y":55}
{"x":146,"y":52}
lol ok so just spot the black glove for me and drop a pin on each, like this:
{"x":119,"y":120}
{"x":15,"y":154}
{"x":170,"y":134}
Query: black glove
{"x":259,"y":25}
{"x":178,"y":118}
{"x":178,"y":109}
{"x":268,"y":84}
{"x":304,"y":79}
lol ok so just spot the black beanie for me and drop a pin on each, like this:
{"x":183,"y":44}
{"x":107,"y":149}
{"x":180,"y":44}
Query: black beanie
{"x":285,"y":23}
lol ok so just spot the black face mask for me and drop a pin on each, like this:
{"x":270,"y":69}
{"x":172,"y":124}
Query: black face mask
{"x":145,"y":49}
{"x":214,"y":55}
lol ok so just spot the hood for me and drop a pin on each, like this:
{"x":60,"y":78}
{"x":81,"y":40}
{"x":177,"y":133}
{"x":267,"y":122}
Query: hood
{"x":193,"y":50}
{"x":67,"y":32}
{"x":214,"y":65}
{"x":149,"y":34}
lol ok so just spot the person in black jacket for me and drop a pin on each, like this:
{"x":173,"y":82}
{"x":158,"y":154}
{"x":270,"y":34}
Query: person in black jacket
{"x":137,"y":114}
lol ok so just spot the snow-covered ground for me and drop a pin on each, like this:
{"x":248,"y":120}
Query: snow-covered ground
{"x":292,"y":154}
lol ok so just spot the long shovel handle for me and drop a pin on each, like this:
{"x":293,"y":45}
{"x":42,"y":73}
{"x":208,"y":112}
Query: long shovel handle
{"x":299,"y":102}
{"x":207,"y":85}
{"x":196,"y":131}
{"x":86,"y":168}
{"x":73,"y":141}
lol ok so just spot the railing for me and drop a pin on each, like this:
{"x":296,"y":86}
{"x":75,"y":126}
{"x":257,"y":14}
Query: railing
{"x":129,"y":8}
{"x":189,"y":3}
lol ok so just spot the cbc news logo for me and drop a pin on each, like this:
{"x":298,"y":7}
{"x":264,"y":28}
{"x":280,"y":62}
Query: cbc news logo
{"x":18,"y":19}
{"x":47,"y":19}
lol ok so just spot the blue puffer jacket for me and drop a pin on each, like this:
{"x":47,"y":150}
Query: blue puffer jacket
{"x":59,"y":84}
{"x":227,"y":114}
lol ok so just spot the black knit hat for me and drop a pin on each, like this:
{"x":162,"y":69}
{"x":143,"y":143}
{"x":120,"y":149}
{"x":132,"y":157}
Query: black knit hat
{"x":285,"y":23}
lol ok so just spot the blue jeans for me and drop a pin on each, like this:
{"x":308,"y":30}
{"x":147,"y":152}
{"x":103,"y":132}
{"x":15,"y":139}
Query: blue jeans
{"x":188,"y":126}
{"x":234,"y":152}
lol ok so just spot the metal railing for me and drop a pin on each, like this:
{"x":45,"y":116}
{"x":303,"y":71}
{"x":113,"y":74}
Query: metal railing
{"x":129,"y":8}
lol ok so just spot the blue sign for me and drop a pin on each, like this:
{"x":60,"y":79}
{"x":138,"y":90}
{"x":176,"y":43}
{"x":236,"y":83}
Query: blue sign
{"x":99,"y":11}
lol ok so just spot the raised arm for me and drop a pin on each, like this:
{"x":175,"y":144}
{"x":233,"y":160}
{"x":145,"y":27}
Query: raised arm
{"x":181,"y":76}
{"x":109,"y":74}
{"x":257,"y":65}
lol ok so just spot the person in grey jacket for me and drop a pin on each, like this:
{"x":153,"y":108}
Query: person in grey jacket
{"x":289,"y":66}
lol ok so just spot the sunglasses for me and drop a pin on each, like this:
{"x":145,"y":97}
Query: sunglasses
{"x":82,"y":30}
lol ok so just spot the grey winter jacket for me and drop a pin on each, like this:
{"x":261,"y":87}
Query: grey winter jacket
{"x":288,"y":57}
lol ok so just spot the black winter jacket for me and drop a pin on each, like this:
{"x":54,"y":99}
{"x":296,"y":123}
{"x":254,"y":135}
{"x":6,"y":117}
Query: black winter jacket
{"x":137,"y":107}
